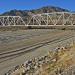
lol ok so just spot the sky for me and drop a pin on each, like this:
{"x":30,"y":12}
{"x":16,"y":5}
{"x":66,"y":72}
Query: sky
{"x":7,"y":5}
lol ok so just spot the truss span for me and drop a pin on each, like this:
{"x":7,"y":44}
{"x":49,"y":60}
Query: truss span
{"x":47,"y":19}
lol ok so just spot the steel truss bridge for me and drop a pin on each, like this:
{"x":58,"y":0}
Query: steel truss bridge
{"x":44,"y":19}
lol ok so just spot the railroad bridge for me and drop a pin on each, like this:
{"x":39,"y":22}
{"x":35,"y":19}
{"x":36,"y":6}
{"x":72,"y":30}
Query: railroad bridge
{"x":44,"y":19}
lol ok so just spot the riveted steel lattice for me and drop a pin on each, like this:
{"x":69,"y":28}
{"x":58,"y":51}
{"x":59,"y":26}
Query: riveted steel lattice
{"x":55,"y":18}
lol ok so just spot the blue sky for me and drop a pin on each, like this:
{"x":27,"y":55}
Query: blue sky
{"x":6,"y":5}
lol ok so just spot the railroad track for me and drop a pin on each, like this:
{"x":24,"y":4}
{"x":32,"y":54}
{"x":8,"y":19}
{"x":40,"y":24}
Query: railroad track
{"x":12,"y":54}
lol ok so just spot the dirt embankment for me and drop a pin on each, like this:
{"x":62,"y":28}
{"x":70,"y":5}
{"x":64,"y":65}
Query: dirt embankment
{"x":14,"y":28}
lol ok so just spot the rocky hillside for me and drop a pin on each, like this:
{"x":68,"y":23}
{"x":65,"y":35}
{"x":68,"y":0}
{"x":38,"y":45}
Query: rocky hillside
{"x":46,"y":9}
